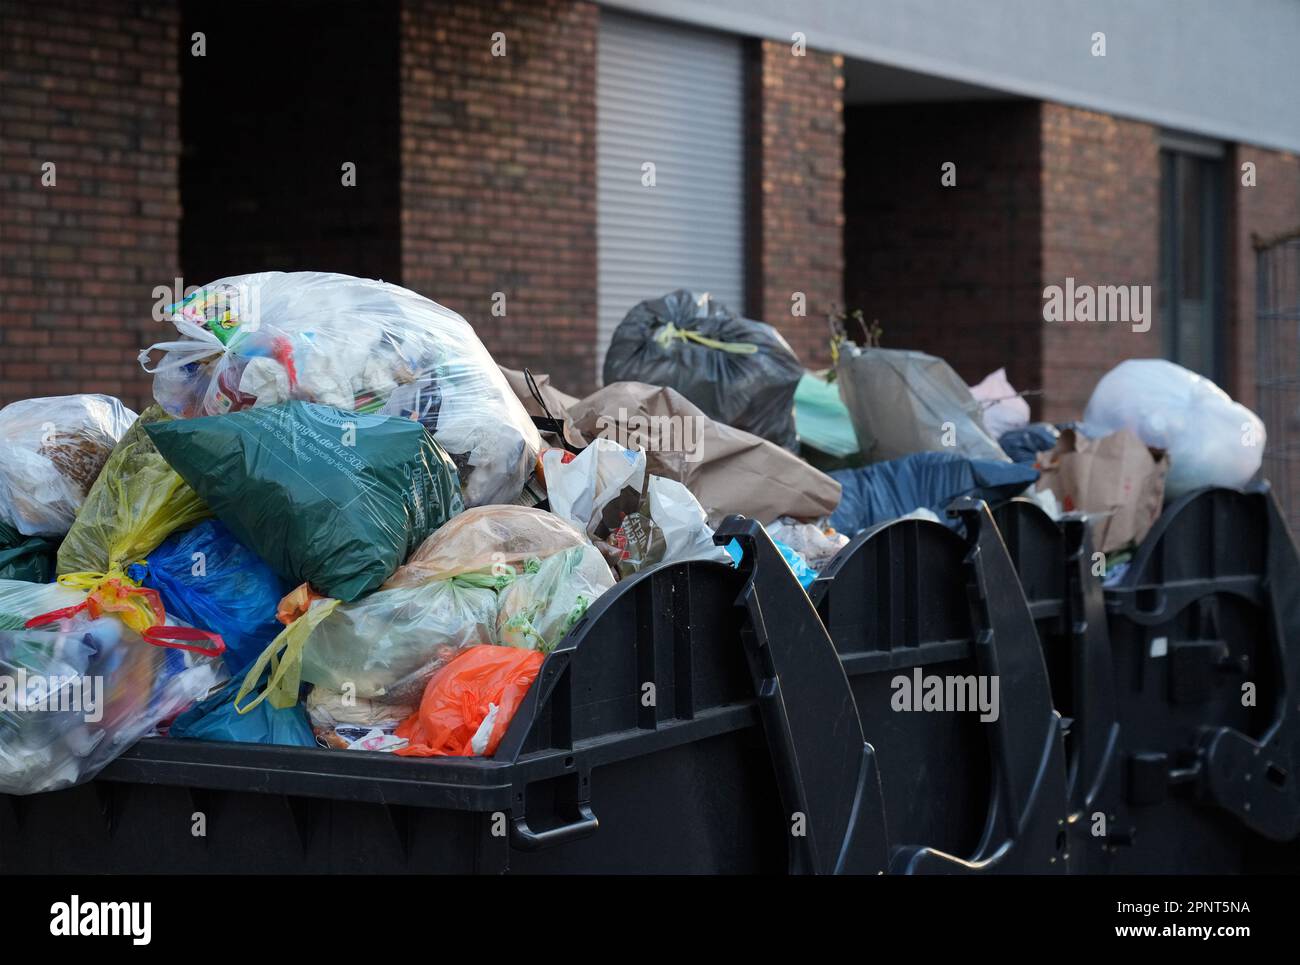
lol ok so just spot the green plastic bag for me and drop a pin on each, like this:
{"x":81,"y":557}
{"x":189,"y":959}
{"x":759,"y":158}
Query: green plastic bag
{"x":136,"y":502}
{"x":327,"y":497}
{"x":822,"y":418}
{"x":28,"y":558}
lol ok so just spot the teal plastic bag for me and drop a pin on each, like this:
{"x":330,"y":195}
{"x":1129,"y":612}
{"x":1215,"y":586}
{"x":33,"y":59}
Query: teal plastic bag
{"x":216,"y":719}
{"x":26,"y":558}
{"x":327,"y":497}
{"x":822,"y":418}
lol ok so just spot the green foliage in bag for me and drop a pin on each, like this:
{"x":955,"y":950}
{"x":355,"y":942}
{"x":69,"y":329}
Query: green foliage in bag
{"x":327,"y":497}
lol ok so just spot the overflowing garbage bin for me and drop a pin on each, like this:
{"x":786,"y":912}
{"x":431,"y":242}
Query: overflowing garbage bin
{"x":352,"y":598}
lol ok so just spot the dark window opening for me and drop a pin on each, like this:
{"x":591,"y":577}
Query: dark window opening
{"x":1191,"y":235}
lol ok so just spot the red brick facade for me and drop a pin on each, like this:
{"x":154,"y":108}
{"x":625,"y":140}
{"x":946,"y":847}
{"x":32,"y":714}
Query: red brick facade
{"x":498,"y":159}
{"x":1101,"y":226}
{"x":91,"y":88}
{"x":796,"y":213}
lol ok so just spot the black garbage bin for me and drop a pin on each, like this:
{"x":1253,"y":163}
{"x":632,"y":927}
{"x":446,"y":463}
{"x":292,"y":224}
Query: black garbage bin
{"x":696,"y":720}
{"x":1183,"y":756}
{"x":911,"y":602}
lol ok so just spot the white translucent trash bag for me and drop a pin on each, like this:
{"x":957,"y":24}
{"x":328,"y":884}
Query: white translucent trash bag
{"x":1211,"y":440}
{"x":51,"y":452}
{"x":355,"y":344}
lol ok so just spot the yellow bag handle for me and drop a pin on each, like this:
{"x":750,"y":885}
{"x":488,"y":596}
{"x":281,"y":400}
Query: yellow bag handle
{"x":115,"y":592}
{"x":286,"y":668}
{"x":671,"y":331}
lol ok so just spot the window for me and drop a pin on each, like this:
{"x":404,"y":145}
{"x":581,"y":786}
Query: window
{"x":1191,"y":235}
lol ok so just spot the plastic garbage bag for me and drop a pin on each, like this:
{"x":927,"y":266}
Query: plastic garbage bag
{"x":136,"y":502}
{"x":215,"y":719}
{"x":468,"y":704}
{"x":822,"y":418}
{"x":546,"y":600}
{"x":1024,"y":445}
{"x":389,"y":643}
{"x":1211,"y":440}
{"x":344,"y":722}
{"x":353,"y":344}
{"x":817,"y":544}
{"x":907,"y":402}
{"x":332,"y":498}
{"x":29,"y":558}
{"x":924,"y":480}
{"x":483,"y":537}
{"x":89,"y":689}
{"x":209,"y":579}
{"x":1002,"y":408}
{"x":634,"y":520}
{"x":739,"y":371}
{"x":51,"y":452}
{"x":20,"y":601}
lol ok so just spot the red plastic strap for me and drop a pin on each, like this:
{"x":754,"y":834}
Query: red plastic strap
{"x":66,"y":613}
{"x":162,"y":636}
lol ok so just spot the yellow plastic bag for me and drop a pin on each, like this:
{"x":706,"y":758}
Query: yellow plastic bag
{"x":137,"y":501}
{"x":284,"y":656}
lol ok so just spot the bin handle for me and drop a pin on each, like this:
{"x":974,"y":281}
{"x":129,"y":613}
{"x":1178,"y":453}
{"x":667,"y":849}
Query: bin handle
{"x":525,"y":838}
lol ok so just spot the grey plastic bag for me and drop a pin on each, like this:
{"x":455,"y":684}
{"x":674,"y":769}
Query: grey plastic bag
{"x":903,"y":402}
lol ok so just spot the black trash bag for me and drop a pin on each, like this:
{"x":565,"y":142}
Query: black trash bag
{"x":924,"y":480}
{"x":1024,"y":444}
{"x":737,"y":370}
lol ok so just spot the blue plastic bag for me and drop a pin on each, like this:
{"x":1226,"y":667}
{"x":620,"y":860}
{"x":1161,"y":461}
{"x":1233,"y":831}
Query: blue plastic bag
{"x":210,"y":580}
{"x":216,"y":719}
{"x":923,"y":480}
{"x":804,"y":573}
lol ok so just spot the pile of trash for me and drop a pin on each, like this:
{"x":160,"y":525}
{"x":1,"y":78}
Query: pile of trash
{"x":342,"y":525}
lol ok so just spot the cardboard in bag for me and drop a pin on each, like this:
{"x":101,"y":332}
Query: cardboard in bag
{"x":1116,"y":478}
{"x":728,"y":470}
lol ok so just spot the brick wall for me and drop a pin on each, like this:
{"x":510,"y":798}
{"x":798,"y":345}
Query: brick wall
{"x":950,"y":270}
{"x":91,"y":87}
{"x":498,"y":175}
{"x":1101,"y":226}
{"x":796,"y":211}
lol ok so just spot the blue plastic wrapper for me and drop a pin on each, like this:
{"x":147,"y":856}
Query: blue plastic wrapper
{"x":216,"y":719}
{"x":1024,"y":445}
{"x":924,"y":480}
{"x":210,"y":580}
{"x":804,"y":573}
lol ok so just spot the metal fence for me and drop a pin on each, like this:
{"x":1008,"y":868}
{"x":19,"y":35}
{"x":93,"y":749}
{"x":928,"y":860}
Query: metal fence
{"x":1278,"y":344}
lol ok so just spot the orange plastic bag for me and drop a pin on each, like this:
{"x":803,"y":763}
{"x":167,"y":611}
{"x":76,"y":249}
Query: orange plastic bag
{"x":483,"y":681}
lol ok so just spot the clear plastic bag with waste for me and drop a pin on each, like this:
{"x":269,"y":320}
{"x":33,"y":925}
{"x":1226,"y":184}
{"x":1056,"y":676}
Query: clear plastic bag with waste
{"x":91,"y":689}
{"x":543,"y":602}
{"x":354,"y":344}
{"x":51,"y":453}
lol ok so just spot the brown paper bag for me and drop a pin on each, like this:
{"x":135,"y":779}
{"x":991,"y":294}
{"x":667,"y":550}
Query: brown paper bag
{"x":727,"y":469}
{"x":1116,"y":477}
